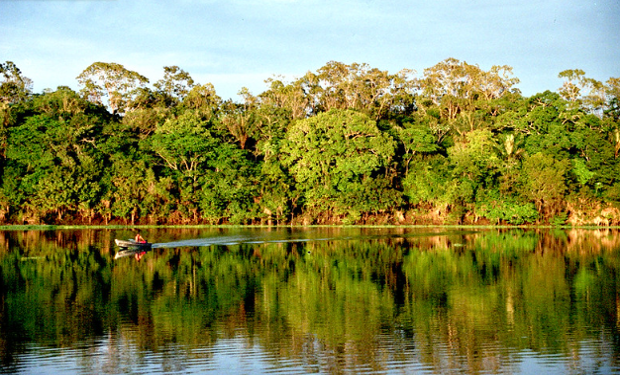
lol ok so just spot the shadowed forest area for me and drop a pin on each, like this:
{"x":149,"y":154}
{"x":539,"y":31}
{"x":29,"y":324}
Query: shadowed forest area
{"x":346,"y":144}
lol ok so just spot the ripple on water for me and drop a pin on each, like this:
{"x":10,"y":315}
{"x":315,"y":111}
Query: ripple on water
{"x":391,"y":351}
{"x":243,"y":354}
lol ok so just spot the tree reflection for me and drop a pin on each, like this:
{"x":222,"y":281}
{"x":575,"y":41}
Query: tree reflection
{"x":467,"y":301}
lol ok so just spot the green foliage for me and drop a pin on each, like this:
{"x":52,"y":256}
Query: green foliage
{"x":14,"y":87}
{"x":474,"y":156}
{"x":228,"y":189}
{"x":543,"y":181}
{"x":416,"y":139}
{"x":184,"y":143}
{"x":428,"y":182}
{"x":331,"y":154}
{"x":176,"y":83}
{"x":581,"y":171}
{"x":347,"y":143}
{"x":559,"y":219}
{"x":504,"y":210}
{"x":112,"y":81}
{"x":275,"y":191}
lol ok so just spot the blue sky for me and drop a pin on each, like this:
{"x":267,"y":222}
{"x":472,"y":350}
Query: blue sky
{"x":236,"y":43}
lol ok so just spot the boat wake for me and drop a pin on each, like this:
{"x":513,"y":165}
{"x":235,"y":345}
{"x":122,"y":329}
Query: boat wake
{"x":236,"y":240}
{"x":249,"y":239}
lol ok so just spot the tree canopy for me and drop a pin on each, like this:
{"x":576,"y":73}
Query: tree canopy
{"x":346,"y":144}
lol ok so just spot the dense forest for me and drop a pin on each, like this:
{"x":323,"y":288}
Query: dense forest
{"x":347,"y":144}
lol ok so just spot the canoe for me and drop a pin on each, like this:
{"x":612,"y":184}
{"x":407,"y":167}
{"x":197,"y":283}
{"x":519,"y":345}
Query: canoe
{"x":132,"y":244}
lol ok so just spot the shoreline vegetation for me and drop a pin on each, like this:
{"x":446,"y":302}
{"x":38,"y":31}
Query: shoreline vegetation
{"x":345,"y":145}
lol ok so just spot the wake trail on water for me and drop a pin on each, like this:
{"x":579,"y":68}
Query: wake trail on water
{"x":247,"y":239}
{"x":236,"y":240}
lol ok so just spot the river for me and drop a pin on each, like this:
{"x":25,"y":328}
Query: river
{"x":311,"y":300}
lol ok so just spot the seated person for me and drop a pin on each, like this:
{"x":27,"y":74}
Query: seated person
{"x":139,"y":239}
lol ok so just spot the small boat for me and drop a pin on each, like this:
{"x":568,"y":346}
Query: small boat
{"x":132,"y":244}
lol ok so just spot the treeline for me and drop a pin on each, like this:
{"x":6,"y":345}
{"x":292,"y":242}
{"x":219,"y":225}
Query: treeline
{"x":347,"y":144}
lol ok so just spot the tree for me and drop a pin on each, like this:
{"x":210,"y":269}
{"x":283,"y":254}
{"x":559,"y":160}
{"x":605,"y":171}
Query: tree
{"x":293,"y":97}
{"x":228,"y":189}
{"x":203,"y":100}
{"x":584,"y":92}
{"x":460,"y":88}
{"x":571,"y":89}
{"x":112,"y":81}
{"x":275,"y":191}
{"x":416,"y":138}
{"x":474,"y":156}
{"x":176,"y":83}
{"x":356,"y":86}
{"x":330,"y":154}
{"x":429,"y":182}
{"x":238,"y":119}
{"x":129,"y":188}
{"x":543,"y":181}
{"x":57,"y":150}
{"x":184,"y":144}
{"x":333,"y":79}
{"x":344,"y":143}
{"x":15,"y":87}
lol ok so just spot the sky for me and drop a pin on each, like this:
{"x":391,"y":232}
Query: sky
{"x":241,"y":43}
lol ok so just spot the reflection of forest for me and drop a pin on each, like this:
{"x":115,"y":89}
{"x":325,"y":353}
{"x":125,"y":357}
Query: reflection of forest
{"x":459,"y":301}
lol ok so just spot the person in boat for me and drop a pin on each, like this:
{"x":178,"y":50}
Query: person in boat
{"x":139,"y":239}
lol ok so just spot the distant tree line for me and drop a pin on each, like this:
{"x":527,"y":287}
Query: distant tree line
{"x":347,"y":144}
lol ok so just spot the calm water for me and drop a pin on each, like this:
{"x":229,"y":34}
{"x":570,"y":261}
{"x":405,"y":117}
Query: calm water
{"x":244,"y":301}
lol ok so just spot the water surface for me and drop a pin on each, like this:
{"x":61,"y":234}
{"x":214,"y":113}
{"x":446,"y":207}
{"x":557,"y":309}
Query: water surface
{"x":333,"y":300}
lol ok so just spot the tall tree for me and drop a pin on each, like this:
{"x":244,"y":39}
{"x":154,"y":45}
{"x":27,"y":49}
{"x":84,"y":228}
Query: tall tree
{"x":203,"y":100}
{"x":112,"y":81}
{"x":292,"y":97}
{"x":587,"y":93}
{"x":239,"y":119}
{"x":176,"y":83}
{"x":457,"y":87}
{"x":15,"y":87}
